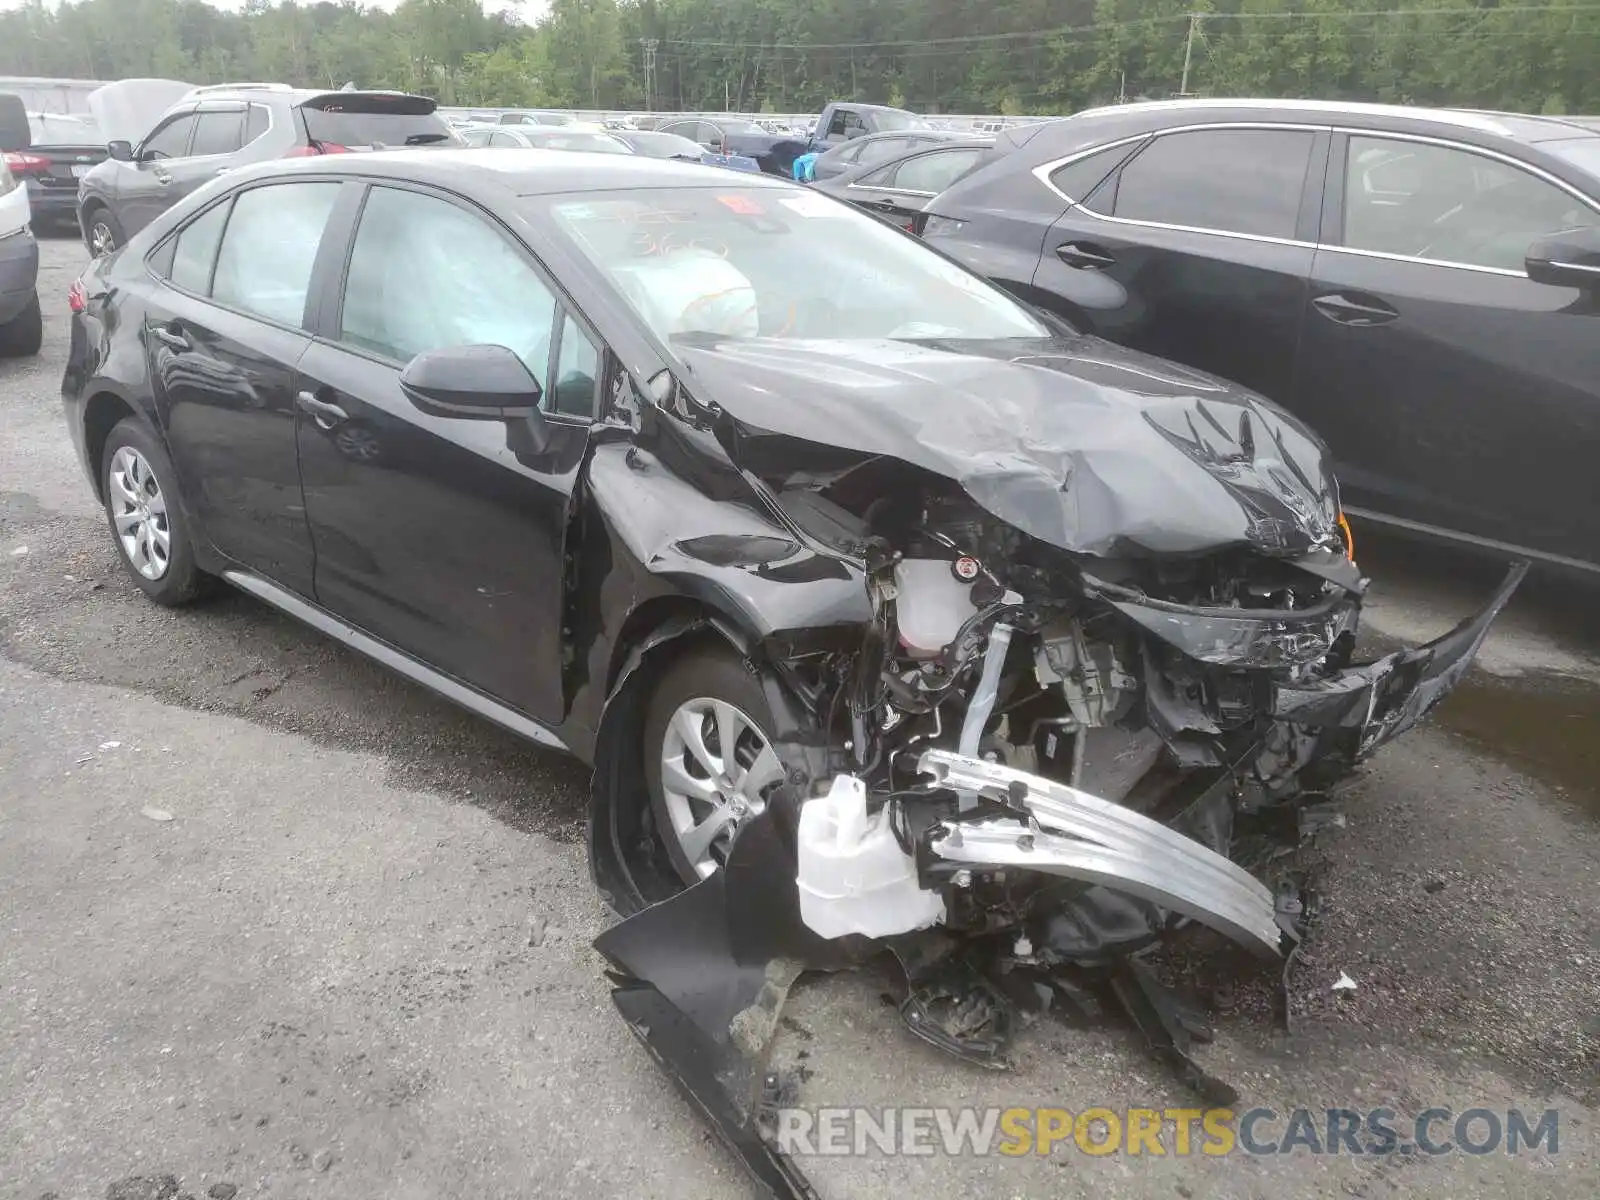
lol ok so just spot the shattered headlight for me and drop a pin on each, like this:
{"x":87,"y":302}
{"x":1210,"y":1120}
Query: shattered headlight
{"x":1260,"y":641}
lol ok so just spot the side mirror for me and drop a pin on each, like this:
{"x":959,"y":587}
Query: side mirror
{"x":1568,"y":259}
{"x":484,"y":383}
{"x":121,"y":150}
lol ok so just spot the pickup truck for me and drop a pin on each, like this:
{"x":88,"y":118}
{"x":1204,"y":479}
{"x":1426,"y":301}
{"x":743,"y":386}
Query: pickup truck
{"x":843,"y":120}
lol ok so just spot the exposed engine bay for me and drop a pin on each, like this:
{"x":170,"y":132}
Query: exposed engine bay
{"x":1027,"y":764}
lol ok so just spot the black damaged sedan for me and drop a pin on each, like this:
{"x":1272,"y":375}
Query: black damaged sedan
{"x":889,"y":613}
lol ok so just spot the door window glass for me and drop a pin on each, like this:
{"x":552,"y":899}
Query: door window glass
{"x":260,"y":120}
{"x":1077,"y":180}
{"x":218,"y":133}
{"x":197,"y":250}
{"x":1450,"y":205}
{"x":576,"y":367}
{"x":271,"y":242}
{"x":882,"y":150}
{"x":1230,"y":180}
{"x":498,"y":138}
{"x":170,"y":141}
{"x":934,"y":172}
{"x":425,"y":274}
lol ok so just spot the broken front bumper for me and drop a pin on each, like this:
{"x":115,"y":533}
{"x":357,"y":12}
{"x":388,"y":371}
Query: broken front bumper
{"x":1073,"y":834}
{"x":700,"y":978}
{"x":1362,"y":708}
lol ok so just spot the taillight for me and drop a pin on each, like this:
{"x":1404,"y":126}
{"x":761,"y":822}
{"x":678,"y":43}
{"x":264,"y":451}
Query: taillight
{"x":315,"y":148}
{"x":77,"y":299}
{"x":20,"y":161}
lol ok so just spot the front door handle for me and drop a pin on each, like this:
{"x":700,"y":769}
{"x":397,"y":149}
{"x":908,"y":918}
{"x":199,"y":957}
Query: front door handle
{"x":1084,"y":255}
{"x":1362,"y":312}
{"x":323,"y":412}
{"x":172,"y":335}
{"x":162,"y":177}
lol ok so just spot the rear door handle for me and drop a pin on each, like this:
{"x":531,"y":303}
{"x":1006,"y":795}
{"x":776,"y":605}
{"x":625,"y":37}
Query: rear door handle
{"x":172,"y":335}
{"x":1361,"y":312}
{"x":1085,"y":255}
{"x":323,"y":412}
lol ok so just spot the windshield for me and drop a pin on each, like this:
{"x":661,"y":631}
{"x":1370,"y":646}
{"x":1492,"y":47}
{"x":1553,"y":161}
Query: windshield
{"x":1580,"y":152}
{"x":893,"y":118}
{"x":63,"y":129}
{"x":598,"y":143}
{"x":777,"y":262}
{"x":664,"y":145}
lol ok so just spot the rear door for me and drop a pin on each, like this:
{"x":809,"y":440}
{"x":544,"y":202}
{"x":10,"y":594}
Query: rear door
{"x":1454,"y":391}
{"x":445,"y":537}
{"x":1197,"y":248}
{"x":145,"y":186}
{"x":219,"y":131}
{"x":224,"y":333}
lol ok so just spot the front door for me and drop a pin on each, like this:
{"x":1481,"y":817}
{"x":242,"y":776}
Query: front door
{"x":224,"y":335}
{"x":144,"y":186}
{"x":444,"y":537}
{"x":1198,"y":249}
{"x":1454,"y":391}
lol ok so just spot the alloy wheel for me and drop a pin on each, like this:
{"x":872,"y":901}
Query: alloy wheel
{"x":139,"y":511}
{"x":101,"y":240}
{"x":717,"y":769}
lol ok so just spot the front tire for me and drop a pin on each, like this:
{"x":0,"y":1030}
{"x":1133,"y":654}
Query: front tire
{"x":101,"y":231}
{"x":22,"y":336}
{"x":700,"y":793}
{"x":146,"y":517}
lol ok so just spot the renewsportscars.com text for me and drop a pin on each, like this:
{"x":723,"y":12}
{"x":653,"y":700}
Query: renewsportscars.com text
{"x":1180,"y":1132}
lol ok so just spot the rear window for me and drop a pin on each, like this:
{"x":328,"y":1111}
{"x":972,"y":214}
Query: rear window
{"x":1580,"y":152}
{"x":370,"y":122}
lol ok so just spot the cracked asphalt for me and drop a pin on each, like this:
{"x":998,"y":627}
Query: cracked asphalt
{"x":355,"y":960}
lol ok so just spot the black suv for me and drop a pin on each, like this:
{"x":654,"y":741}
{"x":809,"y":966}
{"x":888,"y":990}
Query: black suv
{"x":1421,"y":286}
{"x":214,"y":130}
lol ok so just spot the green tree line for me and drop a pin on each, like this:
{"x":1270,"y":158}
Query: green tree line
{"x":1007,"y":56}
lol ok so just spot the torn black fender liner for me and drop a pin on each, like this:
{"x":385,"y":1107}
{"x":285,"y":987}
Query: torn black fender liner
{"x":702,"y":977}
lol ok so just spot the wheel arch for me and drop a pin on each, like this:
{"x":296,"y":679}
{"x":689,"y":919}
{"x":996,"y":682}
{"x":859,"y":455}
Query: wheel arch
{"x":101,"y":414}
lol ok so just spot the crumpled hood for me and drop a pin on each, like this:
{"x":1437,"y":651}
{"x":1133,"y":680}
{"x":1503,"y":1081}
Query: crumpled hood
{"x":1085,"y":445}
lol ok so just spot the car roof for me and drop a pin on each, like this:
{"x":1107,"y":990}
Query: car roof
{"x":263,"y":93}
{"x":1520,"y":126}
{"x":511,"y":172}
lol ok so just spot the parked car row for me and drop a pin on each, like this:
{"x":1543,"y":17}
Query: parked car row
{"x":1421,"y":286}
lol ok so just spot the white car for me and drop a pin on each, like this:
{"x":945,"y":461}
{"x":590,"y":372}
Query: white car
{"x":21,"y":325}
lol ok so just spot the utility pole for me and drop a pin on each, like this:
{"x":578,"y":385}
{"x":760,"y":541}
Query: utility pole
{"x":648,"y":45}
{"x":1188,"y":51}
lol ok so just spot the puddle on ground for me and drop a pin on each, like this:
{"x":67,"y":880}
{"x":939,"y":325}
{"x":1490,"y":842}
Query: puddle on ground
{"x":1549,"y":725}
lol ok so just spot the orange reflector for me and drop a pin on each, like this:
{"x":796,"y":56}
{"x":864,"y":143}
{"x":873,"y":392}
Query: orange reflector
{"x":1349,"y":538}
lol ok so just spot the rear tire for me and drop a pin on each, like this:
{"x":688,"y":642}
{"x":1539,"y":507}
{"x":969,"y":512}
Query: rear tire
{"x":698,"y":798}
{"x":101,"y":232}
{"x":146,"y":516}
{"x":22,"y":336}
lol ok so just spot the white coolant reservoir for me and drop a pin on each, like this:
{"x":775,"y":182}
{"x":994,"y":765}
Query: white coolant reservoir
{"x":931,"y":604}
{"x":853,"y":876}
